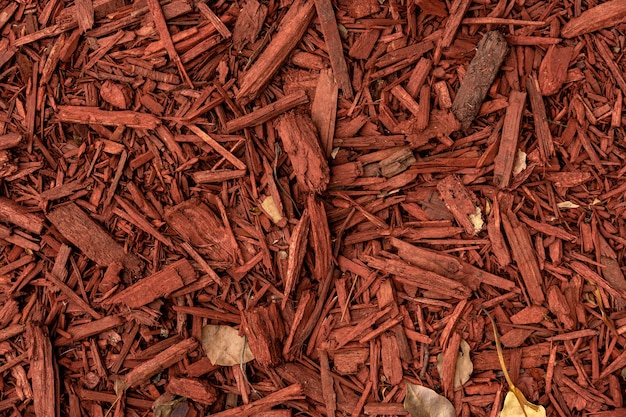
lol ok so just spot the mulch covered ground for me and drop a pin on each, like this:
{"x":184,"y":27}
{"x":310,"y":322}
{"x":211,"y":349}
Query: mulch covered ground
{"x":350,"y":186}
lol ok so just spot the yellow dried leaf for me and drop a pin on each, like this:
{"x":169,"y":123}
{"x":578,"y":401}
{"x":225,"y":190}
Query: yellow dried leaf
{"x":514,"y":408}
{"x":515,"y":404}
{"x":520,"y":162}
{"x":424,"y":402}
{"x":567,"y":205}
{"x":270,"y":207}
{"x":464,"y":365}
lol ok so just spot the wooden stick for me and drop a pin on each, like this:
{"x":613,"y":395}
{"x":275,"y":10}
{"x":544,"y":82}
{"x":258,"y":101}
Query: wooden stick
{"x":159,"y":363}
{"x":503,"y":163}
{"x":599,"y":17}
{"x":294,"y":24}
{"x":544,"y":137}
{"x":328,"y":23}
{"x":161,"y":26}
{"x":268,"y":112}
{"x":90,"y":238}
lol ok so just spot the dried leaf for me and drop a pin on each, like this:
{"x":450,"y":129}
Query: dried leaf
{"x":515,"y":404}
{"x":424,"y":402}
{"x":567,"y":205}
{"x":477,"y":220}
{"x":520,"y":162}
{"x":224,"y":346}
{"x":270,"y":207}
{"x":464,"y":365}
{"x":513,"y":407}
{"x":166,"y":404}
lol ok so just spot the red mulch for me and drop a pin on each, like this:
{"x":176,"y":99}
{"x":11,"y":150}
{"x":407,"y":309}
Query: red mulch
{"x":348,"y":184}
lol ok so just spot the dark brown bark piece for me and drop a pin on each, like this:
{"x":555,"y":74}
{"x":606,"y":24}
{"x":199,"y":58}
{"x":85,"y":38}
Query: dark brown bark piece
{"x":481,"y":73}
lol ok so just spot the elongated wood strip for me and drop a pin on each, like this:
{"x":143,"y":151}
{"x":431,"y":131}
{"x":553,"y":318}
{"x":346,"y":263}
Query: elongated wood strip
{"x":140,"y":221}
{"x":159,"y":363}
{"x":161,"y":26}
{"x":217,"y":147}
{"x":503,"y":164}
{"x":297,"y":250}
{"x":268,"y":112}
{"x":293,"y":26}
{"x":490,"y":53}
{"x":324,"y":109}
{"x":42,"y":372}
{"x":524,"y":255}
{"x":599,"y":17}
{"x":83,"y":331}
{"x":111,"y":398}
{"x":218,"y":176}
{"x":299,"y":137}
{"x":11,"y":212}
{"x":11,"y":331}
{"x":606,"y":55}
{"x":406,"y":100}
{"x":544,"y":137}
{"x":328,"y":23}
{"x":212,"y":17}
{"x":160,"y":284}
{"x":457,"y":13}
{"x":73,"y":296}
{"x":90,"y":238}
{"x":8,"y":235}
{"x":449,"y":266}
{"x":291,"y":393}
{"x":419,"y":277}
{"x":501,"y":21}
{"x":93,"y":115}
